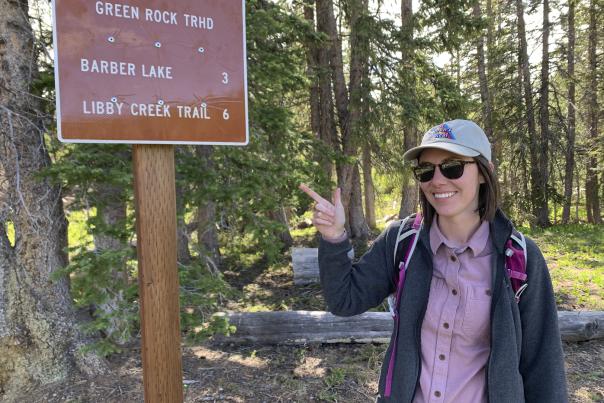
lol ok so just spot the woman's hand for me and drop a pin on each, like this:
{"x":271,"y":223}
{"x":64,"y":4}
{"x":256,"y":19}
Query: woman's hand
{"x":328,"y":218}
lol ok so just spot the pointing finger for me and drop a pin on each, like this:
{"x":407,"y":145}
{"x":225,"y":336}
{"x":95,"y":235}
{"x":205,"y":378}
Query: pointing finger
{"x":315,"y":196}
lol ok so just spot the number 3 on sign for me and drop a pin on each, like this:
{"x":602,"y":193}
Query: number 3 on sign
{"x":225,"y":78}
{"x":225,"y":114}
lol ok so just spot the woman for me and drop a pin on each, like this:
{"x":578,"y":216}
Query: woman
{"x":462,"y":337}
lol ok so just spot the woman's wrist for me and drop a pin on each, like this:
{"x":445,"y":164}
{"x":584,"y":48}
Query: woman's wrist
{"x":335,"y":239}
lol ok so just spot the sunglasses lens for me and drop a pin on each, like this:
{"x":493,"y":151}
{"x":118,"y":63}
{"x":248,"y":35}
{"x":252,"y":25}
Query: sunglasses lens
{"x":452,"y":169}
{"x":424,"y":173}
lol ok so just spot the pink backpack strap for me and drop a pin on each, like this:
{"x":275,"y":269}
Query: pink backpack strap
{"x":515,"y":263}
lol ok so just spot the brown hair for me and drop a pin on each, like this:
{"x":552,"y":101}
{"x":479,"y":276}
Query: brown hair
{"x":488,"y":194}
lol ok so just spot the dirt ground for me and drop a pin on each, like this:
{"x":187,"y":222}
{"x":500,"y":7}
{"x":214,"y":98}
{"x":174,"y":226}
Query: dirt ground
{"x":337,"y":373}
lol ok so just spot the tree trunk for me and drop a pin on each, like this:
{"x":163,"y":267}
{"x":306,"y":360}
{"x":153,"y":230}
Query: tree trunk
{"x":207,"y":237}
{"x":321,"y":102}
{"x":487,"y":114}
{"x":358,"y":225}
{"x":357,"y":105}
{"x":409,"y":189}
{"x":284,"y":236}
{"x":110,"y":203}
{"x":312,"y":67}
{"x":325,"y":9}
{"x":542,"y":210}
{"x":592,"y":197}
{"x":536,"y":191}
{"x":369,"y":189}
{"x":570,"y":133}
{"x":348,"y":112}
{"x":39,"y":336}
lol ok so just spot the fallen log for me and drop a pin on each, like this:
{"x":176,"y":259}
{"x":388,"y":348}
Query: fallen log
{"x":581,"y":325}
{"x":304,"y":327}
{"x":305,"y":262}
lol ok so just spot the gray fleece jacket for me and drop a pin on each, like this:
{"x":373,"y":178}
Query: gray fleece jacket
{"x":526,"y":362}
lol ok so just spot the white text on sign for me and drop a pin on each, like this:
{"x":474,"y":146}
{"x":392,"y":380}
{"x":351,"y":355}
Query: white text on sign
{"x":127,"y":11}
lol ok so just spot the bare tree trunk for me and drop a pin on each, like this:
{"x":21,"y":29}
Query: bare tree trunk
{"x":358,"y":225}
{"x":357,"y":105}
{"x":369,"y":189}
{"x":321,"y":102}
{"x":284,"y":236}
{"x":409,"y":190}
{"x":327,"y":21}
{"x":111,"y":209}
{"x":536,"y":191}
{"x":570,"y":134}
{"x":542,"y":210}
{"x":592,"y":197}
{"x":348,"y":111}
{"x":39,"y":336}
{"x":312,"y":61}
{"x":487,"y":114}
{"x":207,"y":237}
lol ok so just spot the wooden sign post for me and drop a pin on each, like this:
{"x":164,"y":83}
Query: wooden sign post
{"x":155,"y":195}
{"x":153,"y":73}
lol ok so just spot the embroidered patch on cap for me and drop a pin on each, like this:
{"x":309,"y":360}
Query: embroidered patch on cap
{"x":442,"y":132}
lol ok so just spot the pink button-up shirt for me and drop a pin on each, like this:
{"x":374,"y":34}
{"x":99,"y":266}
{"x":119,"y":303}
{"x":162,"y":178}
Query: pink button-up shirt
{"x":456,"y":328}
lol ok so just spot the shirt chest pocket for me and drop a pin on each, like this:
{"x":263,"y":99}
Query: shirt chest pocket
{"x":477,"y":311}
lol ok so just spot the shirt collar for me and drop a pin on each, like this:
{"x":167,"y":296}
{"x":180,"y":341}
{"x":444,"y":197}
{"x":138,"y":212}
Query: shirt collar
{"x":477,"y":243}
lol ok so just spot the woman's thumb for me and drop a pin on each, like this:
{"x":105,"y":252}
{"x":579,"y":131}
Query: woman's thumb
{"x":337,"y":197}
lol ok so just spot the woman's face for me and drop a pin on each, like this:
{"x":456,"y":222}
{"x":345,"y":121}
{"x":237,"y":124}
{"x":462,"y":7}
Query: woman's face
{"x":451,"y":198}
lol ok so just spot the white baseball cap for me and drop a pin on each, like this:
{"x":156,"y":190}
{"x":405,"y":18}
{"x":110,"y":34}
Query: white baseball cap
{"x":458,"y":136}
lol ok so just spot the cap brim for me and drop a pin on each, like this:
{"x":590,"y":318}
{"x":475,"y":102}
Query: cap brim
{"x":454,"y":148}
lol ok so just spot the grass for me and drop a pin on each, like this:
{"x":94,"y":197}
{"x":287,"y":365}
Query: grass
{"x":575,"y":257}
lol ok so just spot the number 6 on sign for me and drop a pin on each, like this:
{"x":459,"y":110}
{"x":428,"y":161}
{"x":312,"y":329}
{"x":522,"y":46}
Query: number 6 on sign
{"x":225,"y":114}
{"x":225,"y":78}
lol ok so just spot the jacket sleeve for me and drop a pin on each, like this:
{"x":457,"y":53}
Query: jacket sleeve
{"x":351,"y":289}
{"x":542,"y":358}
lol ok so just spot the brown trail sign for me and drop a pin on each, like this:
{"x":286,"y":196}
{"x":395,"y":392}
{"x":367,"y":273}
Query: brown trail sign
{"x":151,"y":72}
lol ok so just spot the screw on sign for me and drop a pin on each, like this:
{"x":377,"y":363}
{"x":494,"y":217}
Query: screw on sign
{"x":154,"y":74}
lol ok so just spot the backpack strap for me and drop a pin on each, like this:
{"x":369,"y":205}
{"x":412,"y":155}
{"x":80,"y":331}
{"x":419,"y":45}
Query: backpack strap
{"x":515,"y":263}
{"x":402,"y":260}
{"x":395,"y":299}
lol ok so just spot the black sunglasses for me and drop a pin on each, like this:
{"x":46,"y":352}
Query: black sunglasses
{"x":452,"y":169}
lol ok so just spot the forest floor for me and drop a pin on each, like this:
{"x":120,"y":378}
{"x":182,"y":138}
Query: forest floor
{"x":254,"y":373}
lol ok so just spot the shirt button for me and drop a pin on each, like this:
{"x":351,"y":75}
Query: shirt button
{"x":488,"y":292}
{"x":446,"y":325}
{"x":437,"y":393}
{"x":453,"y":258}
{"x":454,"y":292}
{"x":441,"y":357}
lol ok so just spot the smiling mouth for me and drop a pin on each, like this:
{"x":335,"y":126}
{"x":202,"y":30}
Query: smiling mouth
{"x":443,"y":195}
